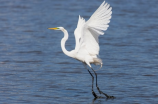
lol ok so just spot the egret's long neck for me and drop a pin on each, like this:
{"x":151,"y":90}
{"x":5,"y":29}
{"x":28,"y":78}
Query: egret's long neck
{"x":64,"y":39}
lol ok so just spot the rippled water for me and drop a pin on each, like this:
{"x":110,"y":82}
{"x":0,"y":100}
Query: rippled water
{"x":34,"y":70}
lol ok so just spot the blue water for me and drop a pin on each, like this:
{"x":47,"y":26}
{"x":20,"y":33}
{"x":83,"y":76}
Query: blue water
{"x":34,"y":70}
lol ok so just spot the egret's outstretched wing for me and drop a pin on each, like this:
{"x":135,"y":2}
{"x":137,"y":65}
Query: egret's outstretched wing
{"x":77,"y":32}
{"x":94,"y":27}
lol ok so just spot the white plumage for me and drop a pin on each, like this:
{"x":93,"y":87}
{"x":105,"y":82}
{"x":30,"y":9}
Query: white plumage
{"x":86,"y":36}
{"x":88,"y":33}
{"x":87,"y":42}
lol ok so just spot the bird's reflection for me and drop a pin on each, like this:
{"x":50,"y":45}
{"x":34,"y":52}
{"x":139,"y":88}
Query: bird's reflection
{"x":97,"y":98}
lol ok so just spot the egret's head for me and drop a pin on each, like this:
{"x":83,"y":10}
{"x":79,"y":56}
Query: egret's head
{"x":56,"y":28}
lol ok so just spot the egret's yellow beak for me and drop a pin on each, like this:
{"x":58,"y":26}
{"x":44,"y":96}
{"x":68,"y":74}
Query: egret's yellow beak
{"x":53,"y":28}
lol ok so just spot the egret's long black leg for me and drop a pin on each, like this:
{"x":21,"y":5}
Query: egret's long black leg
{"x":92,"y":85}
{"x":98,"y":87}
{"x":94,"y":94}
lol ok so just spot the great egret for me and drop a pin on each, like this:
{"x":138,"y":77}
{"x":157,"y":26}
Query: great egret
{"x":87,"y":43}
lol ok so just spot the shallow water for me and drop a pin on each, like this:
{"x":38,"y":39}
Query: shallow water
{"x":34,"y":70}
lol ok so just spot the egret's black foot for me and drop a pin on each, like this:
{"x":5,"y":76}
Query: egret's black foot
{"x":110,"y":97}
{"x":107,"y":96}
{"x":99,"y":90}
{"x":94,"y":94}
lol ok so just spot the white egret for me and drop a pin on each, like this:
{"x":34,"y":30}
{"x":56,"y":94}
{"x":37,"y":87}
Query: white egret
{"x":87,"y":43}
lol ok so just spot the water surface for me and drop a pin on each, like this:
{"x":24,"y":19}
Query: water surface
{"x":34,"y":70}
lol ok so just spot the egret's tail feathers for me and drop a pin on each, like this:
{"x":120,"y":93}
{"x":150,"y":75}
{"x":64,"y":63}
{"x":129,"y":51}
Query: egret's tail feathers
{"x":98,"y":61}
{"x":100,"y":67}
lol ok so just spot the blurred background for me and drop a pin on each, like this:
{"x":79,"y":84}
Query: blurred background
{"x":34,"y":70}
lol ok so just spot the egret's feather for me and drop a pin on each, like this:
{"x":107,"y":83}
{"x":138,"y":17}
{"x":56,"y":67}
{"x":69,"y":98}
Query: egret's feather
{"x":77,"y":32}
{"x":95,"y":26}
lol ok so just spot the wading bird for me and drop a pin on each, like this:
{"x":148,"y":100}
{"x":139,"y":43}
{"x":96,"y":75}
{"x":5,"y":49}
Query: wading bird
{"x":87,"y":43}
